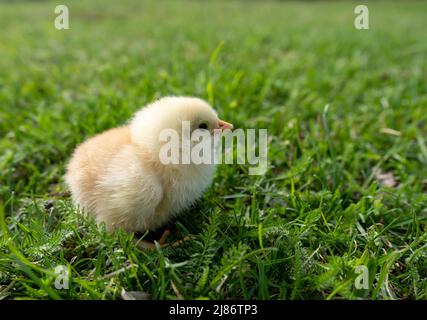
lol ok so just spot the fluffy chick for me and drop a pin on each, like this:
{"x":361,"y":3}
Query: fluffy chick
{"x":118,"y":177}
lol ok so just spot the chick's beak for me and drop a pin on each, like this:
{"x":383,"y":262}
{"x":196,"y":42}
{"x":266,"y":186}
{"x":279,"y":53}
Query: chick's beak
{"x":224,"y":125}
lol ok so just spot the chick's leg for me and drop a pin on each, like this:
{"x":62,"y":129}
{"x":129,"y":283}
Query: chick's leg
{"x":165,"y":234}
{"x":150,"y":246}
{"x":146,"y":245}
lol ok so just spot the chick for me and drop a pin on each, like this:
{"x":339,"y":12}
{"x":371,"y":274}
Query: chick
{"x":118,"y":177}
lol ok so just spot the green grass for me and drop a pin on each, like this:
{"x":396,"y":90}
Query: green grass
{"x":298,"y":232}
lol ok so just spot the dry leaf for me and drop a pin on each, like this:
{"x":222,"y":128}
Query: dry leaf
{"x":391,"y":132}
{"x":386,"y":178}
{"x":135,"y":295}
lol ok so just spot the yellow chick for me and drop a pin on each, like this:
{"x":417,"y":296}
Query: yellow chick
{"x":118,"y":177}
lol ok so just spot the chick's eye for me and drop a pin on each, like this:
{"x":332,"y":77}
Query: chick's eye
{"x":203,"y":126}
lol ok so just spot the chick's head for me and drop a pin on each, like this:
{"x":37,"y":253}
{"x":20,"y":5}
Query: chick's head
{"x":173,"y":113}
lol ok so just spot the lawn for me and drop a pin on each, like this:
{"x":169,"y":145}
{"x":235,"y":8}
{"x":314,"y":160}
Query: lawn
{"x":346,"y":113}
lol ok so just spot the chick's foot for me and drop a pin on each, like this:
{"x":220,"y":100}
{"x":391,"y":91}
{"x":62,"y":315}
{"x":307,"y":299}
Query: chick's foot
{"x":150,"y":246}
